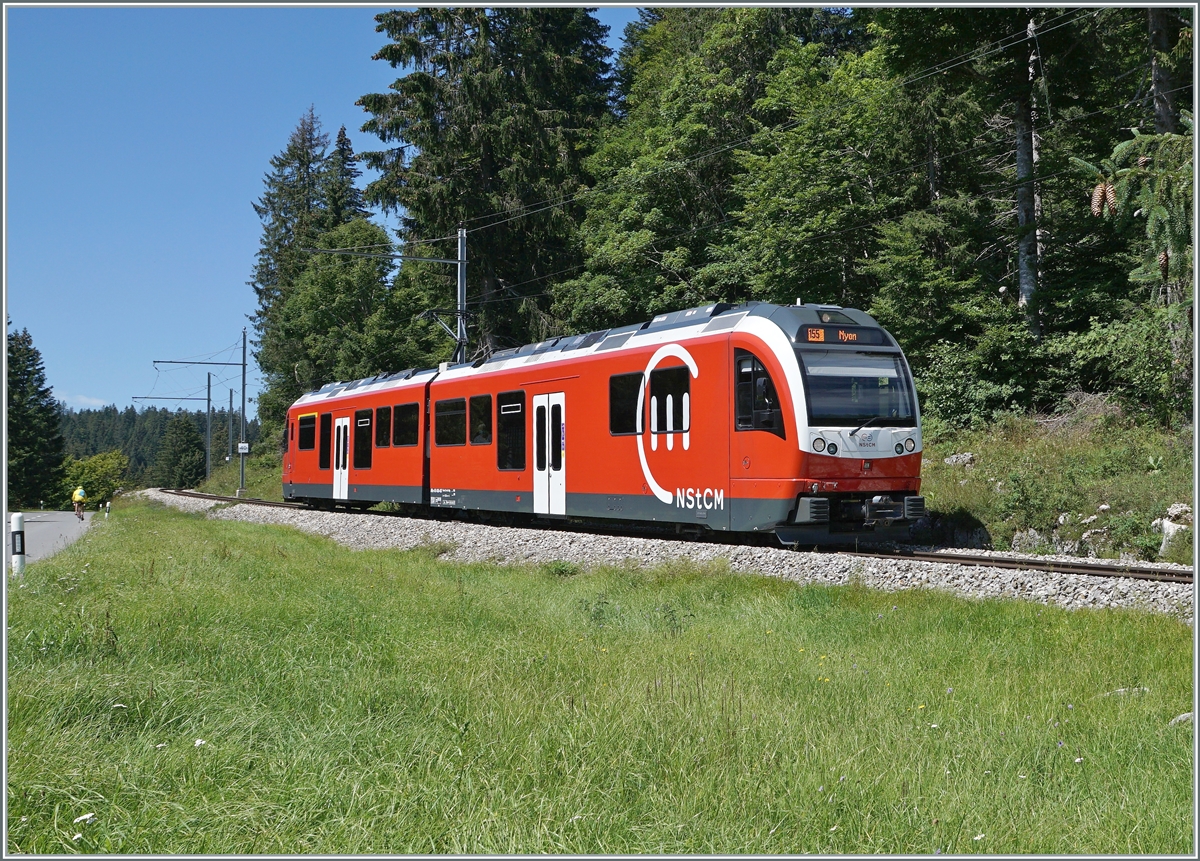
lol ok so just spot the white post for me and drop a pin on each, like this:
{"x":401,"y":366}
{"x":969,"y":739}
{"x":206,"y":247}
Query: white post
{"x":18,"y":545}
{"x":107,"y":506}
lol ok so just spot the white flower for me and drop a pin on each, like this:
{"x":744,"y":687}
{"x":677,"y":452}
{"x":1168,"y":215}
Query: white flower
{"x":1079,"y":759}
{"x":834,"y":828}
{"x":160,"y":746}
{"x":200,"y":741}
{"x":78,"y":836}
{"x":87,"y":816}
{"x":120,"y":706}
{"x":977,"y":837}
{"x":933,"y":726}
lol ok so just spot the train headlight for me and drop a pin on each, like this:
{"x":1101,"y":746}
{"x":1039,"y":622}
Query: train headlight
{"x":899,"y":448}
{"x":833,"y":448}
{"x":818,"y":444}
{"x":909,"y":444}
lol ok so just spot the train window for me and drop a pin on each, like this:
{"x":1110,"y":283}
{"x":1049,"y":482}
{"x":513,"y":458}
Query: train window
{"x":406,"y":424}
{"x":326,"y":440}
{"x":362,"y":439}
{"x":308,"y":433}
{"x":670,"y":407}
{"x":450,"y":422}
{"x":481,"y":420}
{"x":556,"y":440}
{"x":539,"y":438}
{"x":757,"y":401}
{"x":623,"y":390}
{"x":383,"y":427}
{"x":510,"y":430}
{"x":849,"y":388}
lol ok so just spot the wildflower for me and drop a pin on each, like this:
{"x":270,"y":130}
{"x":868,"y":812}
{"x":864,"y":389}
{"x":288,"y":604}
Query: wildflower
{"x":1079,"y":759}
{"x":921,"y":706}
{"x":1021,"y":776}
{"x":949,"y":690}
{"x":933,"y":726}
{"x":802,"y":650}
{"x":160,"y":746}
{"x":78,"y":836}
{"x":120,"y":706}
{"x":1060,"y":744}
{"x":200,"y":742}
{"x":768,"y":630}
{"x":834,"y":828}
{"x":87,"y":817}
{"x":987,"y":772}
{"x":1070,"y":706}
{"x":842,"y":779}
{"x":821,"y":788}
{"x":823,"y":657}
{"x":937,"y":851}
{"x":977,"y":837}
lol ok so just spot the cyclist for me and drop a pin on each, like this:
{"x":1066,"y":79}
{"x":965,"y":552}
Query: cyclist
{"x":78,"y":497}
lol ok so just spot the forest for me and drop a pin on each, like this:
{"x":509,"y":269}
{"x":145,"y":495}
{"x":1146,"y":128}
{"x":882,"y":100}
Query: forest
{"x":1007,"y":190}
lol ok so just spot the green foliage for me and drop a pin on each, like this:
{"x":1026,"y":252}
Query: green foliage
{"x":100,"y":475}
{"x":180,"y":459}
{"x":489,"y":125}
{"x":34,"y":439}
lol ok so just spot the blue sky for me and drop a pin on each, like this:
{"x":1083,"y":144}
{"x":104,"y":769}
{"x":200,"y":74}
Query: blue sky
{"x":135,"y":141}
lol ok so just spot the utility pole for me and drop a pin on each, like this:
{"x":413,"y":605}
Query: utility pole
{"x":243,"y":448}
{"x":460,"y":347}
{"x":229,"y":436}
{"x":208,"y":433}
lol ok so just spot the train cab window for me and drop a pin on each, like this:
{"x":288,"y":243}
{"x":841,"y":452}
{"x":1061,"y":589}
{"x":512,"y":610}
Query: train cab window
{"x":308,"y":433}
{"x":670,"y":401}
{"x":326,"y":440}
{"x":383,"y":427}
{"x":757,"y":405}
{"x":362,"y":439}
{"x":481,"y":420}
{"x":450,"y":422}
{"x":510,"y":430}
{"x":623,"y":390}
{"x":406,"y":424}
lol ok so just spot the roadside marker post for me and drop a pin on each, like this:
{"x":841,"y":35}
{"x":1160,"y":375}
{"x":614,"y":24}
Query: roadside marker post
{"x":18,"y":545}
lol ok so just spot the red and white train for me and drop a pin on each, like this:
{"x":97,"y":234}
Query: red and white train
{"x":798,"y":420}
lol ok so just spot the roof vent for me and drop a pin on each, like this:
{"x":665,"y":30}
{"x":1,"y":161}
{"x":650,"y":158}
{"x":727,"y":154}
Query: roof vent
{"x":443,"y":367}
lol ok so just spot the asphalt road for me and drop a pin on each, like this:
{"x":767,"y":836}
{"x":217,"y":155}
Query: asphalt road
{"x":46,"y":532}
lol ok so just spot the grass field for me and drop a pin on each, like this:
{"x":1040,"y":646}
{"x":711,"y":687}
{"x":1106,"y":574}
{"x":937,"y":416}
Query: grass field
{"x":221,"y":687}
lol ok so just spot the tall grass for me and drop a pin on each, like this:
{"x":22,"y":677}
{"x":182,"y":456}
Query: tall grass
{"x":391,"y":702}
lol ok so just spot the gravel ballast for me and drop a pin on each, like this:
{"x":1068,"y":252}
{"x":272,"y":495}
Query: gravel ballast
{"x":473,"y":542}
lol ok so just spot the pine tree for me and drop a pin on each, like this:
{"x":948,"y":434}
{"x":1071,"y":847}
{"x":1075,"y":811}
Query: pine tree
{"x":490,"y":127}
{"x":342,"y":198}
{"x":35,"y":443}
{"x":180,"y":459}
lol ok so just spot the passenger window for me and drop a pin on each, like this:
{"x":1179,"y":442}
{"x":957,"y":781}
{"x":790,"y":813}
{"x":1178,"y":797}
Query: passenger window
{"x":326,"y":440}
{"x":308,"y":433}
{"x":383,"y":427}
{"x":670,"y":404}
{"x":450,"y":419}
{"x":481,"y":420}
{"x":510,"y":430}
{"x":623,"y":390}
{"x":362,"y":439}
{"x":757,"y":402}
{"x":406,"y":424}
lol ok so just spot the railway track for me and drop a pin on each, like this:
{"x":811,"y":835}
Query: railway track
{"x":1108,"y":568}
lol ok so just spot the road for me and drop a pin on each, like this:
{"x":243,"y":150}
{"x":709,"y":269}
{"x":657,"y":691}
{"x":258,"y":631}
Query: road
{"x":46,"y":532}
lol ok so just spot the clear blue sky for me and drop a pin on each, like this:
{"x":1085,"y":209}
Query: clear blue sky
{"x":135,"y":141}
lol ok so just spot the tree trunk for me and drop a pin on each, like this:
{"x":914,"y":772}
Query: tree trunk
{"x":1164,"y":33}
{"x":1027,"y":246}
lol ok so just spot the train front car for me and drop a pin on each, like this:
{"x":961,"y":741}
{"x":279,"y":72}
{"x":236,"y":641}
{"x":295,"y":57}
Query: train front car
{"x":859,"y":428}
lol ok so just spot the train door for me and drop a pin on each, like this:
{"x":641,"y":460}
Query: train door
{"x":550,"y":453}
{"x":341,"y":457}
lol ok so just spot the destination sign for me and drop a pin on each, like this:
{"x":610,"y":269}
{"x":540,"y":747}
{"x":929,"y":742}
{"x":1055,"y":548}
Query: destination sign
{"x":841,"y":335}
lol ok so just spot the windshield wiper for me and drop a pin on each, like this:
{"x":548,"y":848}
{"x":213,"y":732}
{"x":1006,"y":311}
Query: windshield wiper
{"x":869,"y":421}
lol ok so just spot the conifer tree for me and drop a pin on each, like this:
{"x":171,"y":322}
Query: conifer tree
{"x":341,"y":196}
{"x":180,"y":460}
{"x":35,"y":443}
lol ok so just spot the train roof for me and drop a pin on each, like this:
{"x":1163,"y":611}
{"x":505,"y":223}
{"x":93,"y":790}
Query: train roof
{"x":792,"y":319}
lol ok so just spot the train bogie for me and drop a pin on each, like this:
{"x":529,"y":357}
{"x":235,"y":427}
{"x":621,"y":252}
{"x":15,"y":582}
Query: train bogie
{"x":754,"y":418}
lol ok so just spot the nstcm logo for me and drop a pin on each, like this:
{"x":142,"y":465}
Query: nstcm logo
{"x":685,"y":498}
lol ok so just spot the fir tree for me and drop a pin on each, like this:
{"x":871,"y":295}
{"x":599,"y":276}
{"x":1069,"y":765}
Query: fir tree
{"x":35,"y":443}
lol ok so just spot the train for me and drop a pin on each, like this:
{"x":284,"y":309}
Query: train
{"x":799,"y":421}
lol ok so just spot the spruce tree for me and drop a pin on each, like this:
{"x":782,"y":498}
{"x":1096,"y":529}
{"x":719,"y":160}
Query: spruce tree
{"x":489,"y":125}
{"x":342,"y":198}
{"x":35,"y":443}
{"x":180,"y":459}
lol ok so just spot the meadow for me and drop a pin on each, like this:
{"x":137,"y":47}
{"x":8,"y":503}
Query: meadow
{"x":178,"y":685}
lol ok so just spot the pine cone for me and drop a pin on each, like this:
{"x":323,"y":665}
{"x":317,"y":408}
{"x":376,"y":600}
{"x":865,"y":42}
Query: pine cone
{"x":1110,"y":197}
{"x":1143,"y":160}
{"x":1164,"y":261}
{"x":1098,"y":200}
